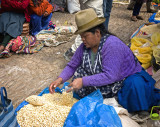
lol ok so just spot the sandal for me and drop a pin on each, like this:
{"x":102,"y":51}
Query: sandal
{"x":139,"y":17}
{"x":133,"y":18}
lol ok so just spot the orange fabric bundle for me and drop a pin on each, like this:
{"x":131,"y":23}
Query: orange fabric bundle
{"x":45,"y":6}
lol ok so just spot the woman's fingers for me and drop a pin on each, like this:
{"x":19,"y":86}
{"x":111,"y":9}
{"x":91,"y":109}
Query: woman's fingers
{"x":51,"y":88}
{"x":70,"y":85}
{"x":69,"y":90}
{"x":54,"y":84}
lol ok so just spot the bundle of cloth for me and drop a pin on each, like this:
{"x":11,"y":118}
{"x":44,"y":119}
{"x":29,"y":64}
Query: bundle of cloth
{"x":22,"y":44}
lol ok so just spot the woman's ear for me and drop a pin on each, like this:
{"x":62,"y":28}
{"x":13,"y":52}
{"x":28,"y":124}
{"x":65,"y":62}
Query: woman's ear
{"x":98,"y":33}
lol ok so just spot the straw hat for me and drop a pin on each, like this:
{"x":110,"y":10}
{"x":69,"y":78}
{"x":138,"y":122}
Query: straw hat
{"x":87,"y":19}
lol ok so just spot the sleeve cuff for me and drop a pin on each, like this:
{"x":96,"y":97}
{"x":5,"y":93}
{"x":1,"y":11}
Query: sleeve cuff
{"x":84,"y":80}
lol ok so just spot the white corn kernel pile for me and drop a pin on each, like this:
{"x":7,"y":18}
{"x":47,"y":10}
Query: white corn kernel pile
{"x":49,"y":110}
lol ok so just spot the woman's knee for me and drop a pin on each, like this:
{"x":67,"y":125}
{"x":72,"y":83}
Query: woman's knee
{"x":135,"y":82}
{"x":34,"y":17}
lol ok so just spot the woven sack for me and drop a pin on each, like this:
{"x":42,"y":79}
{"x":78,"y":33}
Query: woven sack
{"x":7,"y":112}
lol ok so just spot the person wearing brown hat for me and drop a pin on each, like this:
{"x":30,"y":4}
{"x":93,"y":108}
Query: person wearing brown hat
{"x":104,"y":62}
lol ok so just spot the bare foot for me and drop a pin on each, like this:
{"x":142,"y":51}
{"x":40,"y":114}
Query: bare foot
{"x":1,"y":48}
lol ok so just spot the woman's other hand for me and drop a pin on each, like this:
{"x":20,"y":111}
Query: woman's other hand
{"x":55,"y":84}
{"x":75,"y":85}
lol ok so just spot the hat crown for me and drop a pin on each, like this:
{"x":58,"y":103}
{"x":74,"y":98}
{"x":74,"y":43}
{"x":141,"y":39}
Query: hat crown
{"x":87,"y":19}
{"x":81,"y":19}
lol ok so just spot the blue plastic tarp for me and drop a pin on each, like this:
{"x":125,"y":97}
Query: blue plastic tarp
{"x":45,"y":91}
{"x":152,"y":19}
{"x":87,"y":112}
{"x":91,"y":112}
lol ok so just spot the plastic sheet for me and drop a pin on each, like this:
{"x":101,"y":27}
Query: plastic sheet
{"x":87,"y":112}
{"x":155,"y":38}
{"x":91,"y":112}
{"x":152,"y":19}
{"x":142,"y":48}
{"x":45,"y":91}
{"x":156,"y":54}
{"x":156,"y":50}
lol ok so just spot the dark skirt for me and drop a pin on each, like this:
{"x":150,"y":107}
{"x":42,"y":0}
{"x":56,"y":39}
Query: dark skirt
{"x":12,"y":23}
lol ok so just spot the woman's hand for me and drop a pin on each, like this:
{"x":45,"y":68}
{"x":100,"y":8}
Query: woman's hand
{"x":54,"y":84}
{"x":45,"y":14}
{"x":76,"y":85}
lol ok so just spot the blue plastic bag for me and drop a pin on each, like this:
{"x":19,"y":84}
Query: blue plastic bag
{"x":152,"y":19}
{"x":87,"y":112}
{"x":91,"y":112}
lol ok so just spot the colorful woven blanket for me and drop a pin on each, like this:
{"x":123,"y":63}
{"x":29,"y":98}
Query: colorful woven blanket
{"x":22,"y":44}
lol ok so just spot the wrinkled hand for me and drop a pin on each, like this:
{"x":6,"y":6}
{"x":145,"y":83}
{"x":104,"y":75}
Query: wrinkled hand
{"x":45,"y":14}
{"x":75,"y":85}
{"x":55,"y":84}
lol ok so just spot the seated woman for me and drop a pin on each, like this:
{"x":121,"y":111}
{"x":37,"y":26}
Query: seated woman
{"x":104,"y":62}
{"x":14,"y":14}
{"x":41,"y":11}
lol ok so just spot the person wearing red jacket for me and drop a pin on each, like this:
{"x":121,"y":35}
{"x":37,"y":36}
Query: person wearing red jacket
{"x":41,"y":11}
{"x":14,"y":14}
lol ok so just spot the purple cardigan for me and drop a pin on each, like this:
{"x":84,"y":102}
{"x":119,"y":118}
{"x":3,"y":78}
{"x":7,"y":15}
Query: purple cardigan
{"x":117,"y":63}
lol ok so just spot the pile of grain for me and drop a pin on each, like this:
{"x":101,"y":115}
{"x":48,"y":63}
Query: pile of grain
{"x":49,"y":110}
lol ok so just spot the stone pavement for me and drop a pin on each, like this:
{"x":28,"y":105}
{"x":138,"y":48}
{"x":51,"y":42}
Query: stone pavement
{"x":27,"y":74}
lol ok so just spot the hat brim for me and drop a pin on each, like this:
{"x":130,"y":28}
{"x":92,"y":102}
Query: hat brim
{"x":96,"y":23}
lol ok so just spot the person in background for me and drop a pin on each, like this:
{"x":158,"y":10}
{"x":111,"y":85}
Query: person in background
{"x":107,"y":6}
{"x":14,"y":14}
{"x":41,"y":14}
{"x":104,"y":62}
{"x":149,"y":6}
{"x":136,"y":11}
{"x":58,"y":5}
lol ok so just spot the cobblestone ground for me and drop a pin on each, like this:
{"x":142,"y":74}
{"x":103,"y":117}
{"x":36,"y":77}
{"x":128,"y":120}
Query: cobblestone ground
{"x":27,"y":74}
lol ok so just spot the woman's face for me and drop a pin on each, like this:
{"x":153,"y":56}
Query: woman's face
{"x":91,"y":40}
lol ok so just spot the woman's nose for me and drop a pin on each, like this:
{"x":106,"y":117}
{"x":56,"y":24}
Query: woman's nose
{"x":82,"y":38}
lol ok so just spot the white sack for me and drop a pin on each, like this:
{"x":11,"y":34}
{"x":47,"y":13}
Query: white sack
{"x":73,"y":6}
{"x":97,"y":5}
